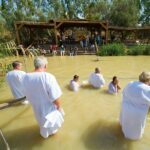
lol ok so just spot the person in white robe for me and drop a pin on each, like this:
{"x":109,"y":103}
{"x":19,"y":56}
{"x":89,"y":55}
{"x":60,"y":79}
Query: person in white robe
{"x":96,"y":79}
{"x":14,"y":79}
{"x":74,"y":84}
{"x":113,"y":86}
{"x":43,"y":92}
{"x":135,"y":106}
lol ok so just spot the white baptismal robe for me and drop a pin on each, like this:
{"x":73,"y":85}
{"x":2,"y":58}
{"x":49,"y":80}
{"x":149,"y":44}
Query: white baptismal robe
{"x":112,"y":89}
{"x":135,"y":105}
{"x":42,"y":90}
{"x":14,"y":79}
{"x":96,"y":80}
{"x":74,"y":85}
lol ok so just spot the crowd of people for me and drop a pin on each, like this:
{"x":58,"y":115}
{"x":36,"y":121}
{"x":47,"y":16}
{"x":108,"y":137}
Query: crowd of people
{"x":68,"y":44}
{"x":43,"y":92}
{"x":54,"y":50}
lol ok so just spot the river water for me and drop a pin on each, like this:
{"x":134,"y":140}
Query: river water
{"x":92,"y":116}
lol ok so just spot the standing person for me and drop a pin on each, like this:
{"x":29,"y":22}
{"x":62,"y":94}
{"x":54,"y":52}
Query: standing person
{"x":114,"y":87}
{"x":14,"y":79}
{"x":74,"y":84}
{"x":43,"y":92}
{"x":62,"y":50}
{"x":75,"y":51}
{"x":71,"y":50}
{"x":54,"y":49}
{"x":135,"y":106}
{"x":96,"y":79}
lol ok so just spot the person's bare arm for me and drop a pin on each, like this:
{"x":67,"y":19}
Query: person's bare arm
{"x":57,"y":103}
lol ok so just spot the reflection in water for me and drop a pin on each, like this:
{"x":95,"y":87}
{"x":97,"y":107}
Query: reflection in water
{"x":105,"y":135}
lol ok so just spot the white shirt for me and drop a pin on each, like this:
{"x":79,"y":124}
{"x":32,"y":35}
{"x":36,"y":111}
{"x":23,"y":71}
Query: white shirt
{"x":112,"y":89}
{"x":96,"y":80}
{"x":14,"y":79}
{"x":42,"y":89}
{"x":135,"y":105}
{"x":74,"y":85}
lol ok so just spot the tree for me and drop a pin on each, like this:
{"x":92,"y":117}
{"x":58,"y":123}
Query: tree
{"x":145,"y":16}
{"x":124,"y":12}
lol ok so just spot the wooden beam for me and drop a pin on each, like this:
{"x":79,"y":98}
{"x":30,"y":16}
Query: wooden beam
{"x":55,"y":30}
{"x":57,"y":26}
{"x":17,"y":34}
{"x":11,"y":103}
{"x":20,"y":26}
{"x":106,"y":33}
{"x":105,"y":27}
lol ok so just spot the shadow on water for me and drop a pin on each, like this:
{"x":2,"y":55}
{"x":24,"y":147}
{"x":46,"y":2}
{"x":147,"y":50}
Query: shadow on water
{"x":88,"y":86}
{"x":99,"y":59}
{"x":14,"y":118}
{"x":24,"y":138}
{"x":105,"y":135}
{"x":105,"y":92}
{"x":68,"y":87}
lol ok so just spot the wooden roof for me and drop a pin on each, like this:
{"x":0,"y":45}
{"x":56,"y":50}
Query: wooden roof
{"x":35,"y":24}
{"x":128,"y":28}
{"x":62,"y":23}
{"x":76,"y":23}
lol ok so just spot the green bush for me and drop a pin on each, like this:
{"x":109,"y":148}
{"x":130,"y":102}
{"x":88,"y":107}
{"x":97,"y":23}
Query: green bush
{"x":5,"y":51}
{"x":114,"y":49}
{"x":146,"y":50}
{"x":139,"y":50}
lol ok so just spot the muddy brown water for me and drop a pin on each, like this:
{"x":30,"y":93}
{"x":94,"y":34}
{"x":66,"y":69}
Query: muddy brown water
{"x":92,"y":116}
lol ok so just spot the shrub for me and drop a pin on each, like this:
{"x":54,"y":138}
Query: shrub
{"x":146,"y":50}
{"x":114,"y":49}
{"x":139,"y":50}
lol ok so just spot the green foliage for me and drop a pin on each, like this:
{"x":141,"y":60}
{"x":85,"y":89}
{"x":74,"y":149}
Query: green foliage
{"x":8,"y":67}
{"x":6,"y":49}
{"x":139,"y":50}
{"x":117,"y":49}
{"x":145,"y":16}
{"x":1,"y":81}
{"x":124,"y":13}
{"x":147,"y":50}
{"x":117,"y":12}
{"x":4,"y":32}
{"x":114,"y":49}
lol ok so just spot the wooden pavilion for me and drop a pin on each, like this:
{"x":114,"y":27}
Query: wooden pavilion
{"x":60,"y":25}
{"x":130,"y":34}
{"x":108,"y":31}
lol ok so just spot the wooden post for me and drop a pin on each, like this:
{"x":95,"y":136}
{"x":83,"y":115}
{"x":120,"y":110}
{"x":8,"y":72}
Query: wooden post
{"x":17,"y":34}
{"x":106,"y":33}
{"x":55,"y":30}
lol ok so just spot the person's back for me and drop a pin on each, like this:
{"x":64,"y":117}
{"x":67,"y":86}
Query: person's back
{"x":96,"y":79}
{"x":135,"y":105}
{"x":74,"y":85}
{"x":113,"y":86}
{"x":43,"y":92}
{"x":133,"y":93}
{"x":14,"y":79}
